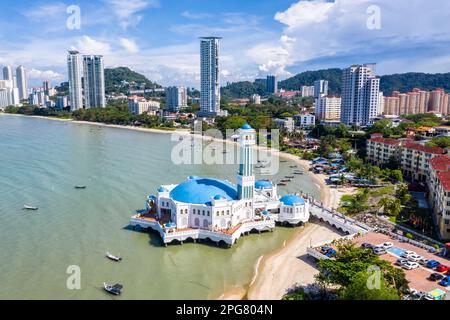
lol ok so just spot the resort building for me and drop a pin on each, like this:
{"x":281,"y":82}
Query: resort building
{"x":439,"y":194}
{"x":139,"y":105}
{"x":208,"y":208}
{"x":307,"y":91}
{"x":413,"y":157}
{"x":22,"y":82}
{"x":380,"y":150}
{"x":305,"y":120}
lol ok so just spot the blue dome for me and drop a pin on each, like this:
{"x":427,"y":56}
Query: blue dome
{"x":291,"y":200}
{"x":202,"y":190}
{"x":262,"y":184}
{"x":218,"y":197}
{"x":162,"y":189}
{"x":246,"y":127}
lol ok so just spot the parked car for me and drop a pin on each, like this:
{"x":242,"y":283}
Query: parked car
{"x":324,"y":250}
{"x":407,"y":254}
{"x":415,"y":257}
{"x":331,"y":253}
{"x":432,"y":264}
{"x":401,"y":262}
{"x":415,"y":294}
{"x":442,"y":268}
{"x":410,"y":265}
{"x":435,"y":277}
{"x":423,"y":261}
{"x":387,"y":245}
{"x":379,"y":250}
{"x":367,"y":246}
{"x":445,"y":282}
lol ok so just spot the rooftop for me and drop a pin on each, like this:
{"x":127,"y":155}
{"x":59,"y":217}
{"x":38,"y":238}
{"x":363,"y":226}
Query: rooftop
{"x":202,"y":190}
{"x":444,"y":179}
{"x":423,"y":148}
{"x":440,"y":163}
{"x":393,"y":142}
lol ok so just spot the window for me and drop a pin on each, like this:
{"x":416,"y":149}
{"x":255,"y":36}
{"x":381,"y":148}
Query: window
{"x":193,"y":211}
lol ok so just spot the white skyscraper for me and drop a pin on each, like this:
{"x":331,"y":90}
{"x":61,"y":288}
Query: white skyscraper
{"x":176,"y":98}
{"x":94,"y":81}
{"x":22,"y":84}
{"x":75,"y":87}
{"x":210,"y":76}
{"x":9,"y":96}
{"x":360,"y":95}
{"x":320,"y":88}
{"x":8,"y":73}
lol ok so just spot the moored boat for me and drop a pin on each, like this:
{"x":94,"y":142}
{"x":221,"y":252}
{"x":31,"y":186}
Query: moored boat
{"x":115,"y":289}
{"x":113,"y":257}
{"x":26,"y":207}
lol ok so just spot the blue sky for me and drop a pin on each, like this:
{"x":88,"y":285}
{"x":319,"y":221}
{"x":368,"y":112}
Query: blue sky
{"x":159,"y":38}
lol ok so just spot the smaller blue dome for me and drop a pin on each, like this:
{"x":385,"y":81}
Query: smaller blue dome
{"x":263,"y":184}
{"x":162,"y":189}
{"x":292,"y":200}
{"x":219,"y":197}
{"x":265,"y":213}
{"x":192,"y":177}
{"x":246,"y":127}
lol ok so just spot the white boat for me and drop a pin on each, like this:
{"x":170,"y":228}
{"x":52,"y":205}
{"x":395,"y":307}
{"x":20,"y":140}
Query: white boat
{"x":26,"y":207}
{"x":115,"y":289}
{"x":113,"y":257}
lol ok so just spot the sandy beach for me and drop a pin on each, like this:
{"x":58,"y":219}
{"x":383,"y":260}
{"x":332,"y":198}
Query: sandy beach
{"x":277,"y":272}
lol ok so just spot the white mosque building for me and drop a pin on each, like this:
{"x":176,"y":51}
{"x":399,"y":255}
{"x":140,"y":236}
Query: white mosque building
{"x":207,"y":208}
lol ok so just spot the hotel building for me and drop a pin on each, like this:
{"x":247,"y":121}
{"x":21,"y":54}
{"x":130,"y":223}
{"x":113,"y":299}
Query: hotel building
{"x":22,"y":83}
{"x":272,"y":84}
{"x":320,"y":88}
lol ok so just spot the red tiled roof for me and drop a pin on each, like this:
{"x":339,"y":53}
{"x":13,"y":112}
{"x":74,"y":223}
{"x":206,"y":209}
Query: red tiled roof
{"x":392,"y":142}
{"x":440,"y":163}
{"x":444,"y":178}
{"x":420,"y":147}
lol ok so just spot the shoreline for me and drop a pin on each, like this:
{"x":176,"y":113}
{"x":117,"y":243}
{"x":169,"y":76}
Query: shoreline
{"x":262,"y":283}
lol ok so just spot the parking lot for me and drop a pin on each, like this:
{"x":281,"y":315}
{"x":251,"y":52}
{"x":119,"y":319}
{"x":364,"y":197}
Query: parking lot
{"x":418,"y":278}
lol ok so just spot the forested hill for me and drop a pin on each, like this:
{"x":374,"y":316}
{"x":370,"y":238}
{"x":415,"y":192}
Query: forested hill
{"x":401,"y":82}
{"x":115,"y":76}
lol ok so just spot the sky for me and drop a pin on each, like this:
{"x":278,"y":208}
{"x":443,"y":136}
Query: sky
{"x":159,"y":38}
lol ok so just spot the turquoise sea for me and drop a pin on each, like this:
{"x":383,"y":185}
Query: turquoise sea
{"x":42,"y":160}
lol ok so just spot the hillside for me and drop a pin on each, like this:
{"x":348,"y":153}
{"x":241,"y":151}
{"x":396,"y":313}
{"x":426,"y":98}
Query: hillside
{"x":388,"y":83}
{"x":115,"y":76}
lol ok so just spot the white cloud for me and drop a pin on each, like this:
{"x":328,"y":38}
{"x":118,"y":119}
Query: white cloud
{"x":129,"y":44}
{"x":88,"y":45}
{"x":46,"y":11}
{"x":46,"y":74}
{"x":195,"y":16}
{"x":324,"y":34}
{"x":127,"y":11}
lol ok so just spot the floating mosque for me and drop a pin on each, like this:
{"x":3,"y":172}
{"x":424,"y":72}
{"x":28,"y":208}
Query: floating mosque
{"x":219,"y":211}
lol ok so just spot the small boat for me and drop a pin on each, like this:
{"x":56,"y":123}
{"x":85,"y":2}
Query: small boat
{"x":113,"y":257}
{"x":80,"y":187}
{"x":289,"y":177}
{"x":115,"y":289}
{"x":281,"y":184}
{"x":286,"y":180}
{"x":298,"y":173}
{"x":30,"y":208}
{"x":294,"y":166}
{"x":180,"y":139}
{"x":283,"y":161}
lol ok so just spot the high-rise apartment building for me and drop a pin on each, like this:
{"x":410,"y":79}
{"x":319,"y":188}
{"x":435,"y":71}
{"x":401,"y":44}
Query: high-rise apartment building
{"x":272,"y":84}
{"x":176,"y":98}
{"x":210,"y":76}
{"x":94,"y":81}
{"x":74,"y":70}
{"x":307,"y":91}
{"x":328,"y":108}
{"x":320,"y":88}
{"x":360,"y":95}
{"x":22,"y":83}
{"x":8,"y":73}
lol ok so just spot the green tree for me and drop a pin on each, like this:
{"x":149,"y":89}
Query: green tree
{"x":359,"y":290}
